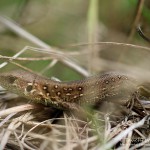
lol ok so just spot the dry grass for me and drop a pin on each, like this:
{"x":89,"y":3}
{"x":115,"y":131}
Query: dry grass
{"x":31,"y":126}
{"x":37,"y":127}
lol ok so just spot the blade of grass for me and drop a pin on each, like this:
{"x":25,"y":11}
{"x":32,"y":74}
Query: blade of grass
{"x":92,"y":25}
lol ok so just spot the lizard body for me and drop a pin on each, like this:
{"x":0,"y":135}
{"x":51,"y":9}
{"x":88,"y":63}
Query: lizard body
{"x":115,"y":87}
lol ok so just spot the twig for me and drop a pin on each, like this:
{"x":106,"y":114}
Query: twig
{"x":142,"y":34}
{"x":137,"y":18}
{"x":25,"y":58}
{"x":113,"y":44}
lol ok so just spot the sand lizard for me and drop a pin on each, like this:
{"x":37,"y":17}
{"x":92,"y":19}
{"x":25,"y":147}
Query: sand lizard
{"x":114,"y":87}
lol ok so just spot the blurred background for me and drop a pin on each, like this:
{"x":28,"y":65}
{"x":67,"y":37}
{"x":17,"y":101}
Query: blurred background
{"x":65,"y":25}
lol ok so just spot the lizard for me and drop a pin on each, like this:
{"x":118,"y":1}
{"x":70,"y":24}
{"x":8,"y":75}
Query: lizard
{"x":115,"y":87}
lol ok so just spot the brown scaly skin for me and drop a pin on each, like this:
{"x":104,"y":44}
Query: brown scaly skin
{"x":114,"y":87}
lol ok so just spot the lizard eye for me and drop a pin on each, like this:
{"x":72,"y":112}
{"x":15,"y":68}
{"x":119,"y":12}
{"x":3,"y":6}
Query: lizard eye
{"x":11,"y":79}
{"x":29,"y":88}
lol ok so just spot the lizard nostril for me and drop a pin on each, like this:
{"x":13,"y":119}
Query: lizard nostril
{"x":29,"y":88}
{"x":12,"y":79}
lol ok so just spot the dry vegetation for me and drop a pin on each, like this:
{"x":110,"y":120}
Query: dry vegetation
{"x":31,"y":126}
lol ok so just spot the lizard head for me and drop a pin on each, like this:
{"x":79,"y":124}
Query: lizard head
{"x":22,"y":83}
{"x":16,"y":81}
